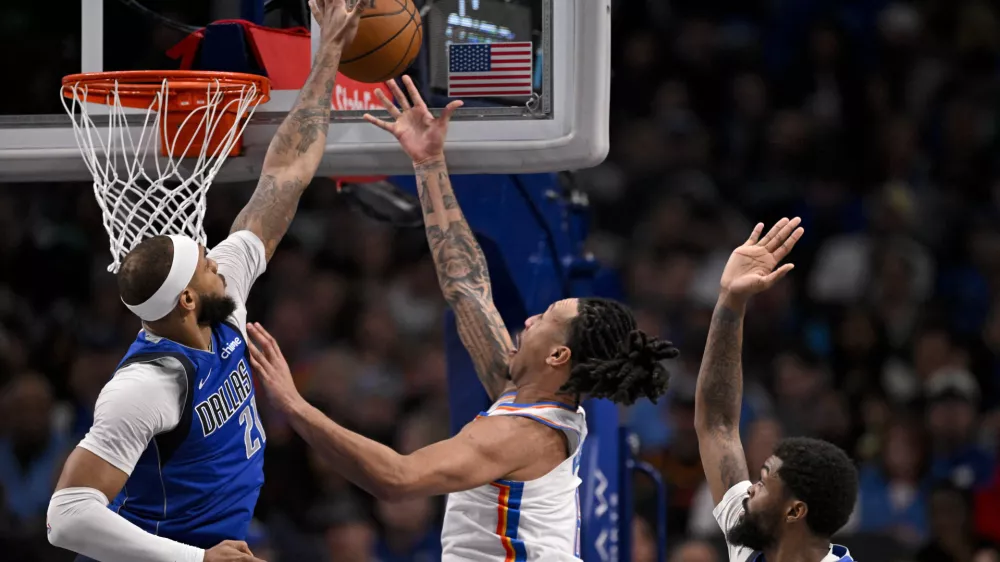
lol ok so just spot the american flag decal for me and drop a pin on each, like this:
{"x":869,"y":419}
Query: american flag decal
{"x":489,"y":69}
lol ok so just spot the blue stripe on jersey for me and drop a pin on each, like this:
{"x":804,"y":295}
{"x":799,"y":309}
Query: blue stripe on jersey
{"x":514,"y":518}
{"x":579,"y":516}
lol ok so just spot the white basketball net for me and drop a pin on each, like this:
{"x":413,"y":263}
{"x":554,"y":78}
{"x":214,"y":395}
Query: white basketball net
{"x":140,"y":194}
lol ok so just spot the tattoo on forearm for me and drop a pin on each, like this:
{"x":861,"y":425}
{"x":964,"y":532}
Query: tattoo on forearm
{"x":292,"y":158}
{"x":483,"y":333}
{"x":270,"y":210}
{"x":425,"y":202}
{"x":307,"y":122}
{"x":720,"y":384}
{"x":464,"y":277}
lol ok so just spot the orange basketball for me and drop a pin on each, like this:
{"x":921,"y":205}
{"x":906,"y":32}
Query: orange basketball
{"x":389,"y":37}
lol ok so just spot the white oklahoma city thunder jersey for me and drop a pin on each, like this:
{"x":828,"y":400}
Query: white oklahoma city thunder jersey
{"x":522,"y":521}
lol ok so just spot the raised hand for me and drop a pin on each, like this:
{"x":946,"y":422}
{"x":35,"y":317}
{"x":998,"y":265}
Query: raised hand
{"x":418,"y":132}
{"x":751,"y":267}
{"x":230,"y":551}
{"x":338,"y":23}
{"x":271,"y":367}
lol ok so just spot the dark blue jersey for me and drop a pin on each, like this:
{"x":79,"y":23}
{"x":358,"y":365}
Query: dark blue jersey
{"x":198,"y":484}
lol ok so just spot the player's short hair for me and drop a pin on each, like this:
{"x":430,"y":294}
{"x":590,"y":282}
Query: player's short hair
{"x":145,"y":268}
{"x":612,"y":358}
{"x":822,"y":475}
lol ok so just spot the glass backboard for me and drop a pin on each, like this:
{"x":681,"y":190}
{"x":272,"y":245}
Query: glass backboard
{"x":556,"y":120}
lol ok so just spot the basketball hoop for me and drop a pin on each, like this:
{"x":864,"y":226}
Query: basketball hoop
{"x":197,"y":116}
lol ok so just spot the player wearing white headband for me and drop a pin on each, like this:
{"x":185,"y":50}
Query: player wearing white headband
{"x":177,"y":444}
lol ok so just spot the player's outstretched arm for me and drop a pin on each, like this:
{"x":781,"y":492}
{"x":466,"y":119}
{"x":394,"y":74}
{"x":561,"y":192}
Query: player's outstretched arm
{"x":719,"y":394}
{"x":461,"y":265}
{"x":297,"y":148}
{"x":481,"y":453}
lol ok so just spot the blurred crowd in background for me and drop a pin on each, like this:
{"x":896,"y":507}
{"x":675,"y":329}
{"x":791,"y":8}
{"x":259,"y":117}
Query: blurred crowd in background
{"x":875,"y":121}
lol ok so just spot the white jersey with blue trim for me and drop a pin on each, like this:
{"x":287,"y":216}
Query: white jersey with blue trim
{"x":522,"y":521}
{"x":728,"y":514}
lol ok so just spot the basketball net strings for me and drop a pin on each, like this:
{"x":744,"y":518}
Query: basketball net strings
{"x":139,"y":204}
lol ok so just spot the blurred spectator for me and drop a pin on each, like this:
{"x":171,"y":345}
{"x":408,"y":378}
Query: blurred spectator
{"x":953,"y":397}
{"x":409,"y":532}
{"x":894,"y":488}
{"x":987,"y":516}
{"x":694,"y":551}
{"x":679,"y":463}
{"x":952,"y":537}
{"x":31,"y":450}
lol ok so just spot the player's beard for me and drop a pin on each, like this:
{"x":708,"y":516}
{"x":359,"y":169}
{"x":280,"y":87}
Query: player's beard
{"x":755,"y":531}
{"x":215,"y":309}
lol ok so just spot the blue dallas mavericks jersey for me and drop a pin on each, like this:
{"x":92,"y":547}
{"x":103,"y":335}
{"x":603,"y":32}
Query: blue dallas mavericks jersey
{"x":199,"y":483}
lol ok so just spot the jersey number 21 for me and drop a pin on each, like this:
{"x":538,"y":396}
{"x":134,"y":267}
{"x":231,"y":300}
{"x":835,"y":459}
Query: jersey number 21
{"x":248,"y":419}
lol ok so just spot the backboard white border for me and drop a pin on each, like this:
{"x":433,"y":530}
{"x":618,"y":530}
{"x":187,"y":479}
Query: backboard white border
{"x":576,"y":136}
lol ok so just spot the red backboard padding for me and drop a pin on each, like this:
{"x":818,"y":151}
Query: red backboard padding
{"x":284,"y":53}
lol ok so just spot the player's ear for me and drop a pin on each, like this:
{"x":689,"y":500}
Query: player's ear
{"x":188,"y":299}
{"x":796,"y":511}
{"x":559,"y":356}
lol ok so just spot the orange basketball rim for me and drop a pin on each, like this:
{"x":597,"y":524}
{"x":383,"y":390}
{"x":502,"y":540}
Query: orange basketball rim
{"x":178,"y":95}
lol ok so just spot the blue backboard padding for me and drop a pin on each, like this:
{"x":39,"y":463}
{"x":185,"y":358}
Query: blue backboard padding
{"x":252,"y":11}
{"x":224,"y":48}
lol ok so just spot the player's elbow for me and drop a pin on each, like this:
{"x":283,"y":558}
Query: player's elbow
{"x":69,"y":517}
{"x":714,"y":430}
{"x":390,"y":492}
{"x":402,"y":481}
{"x":712,"y":420}
{"x":59,"y":525}
{"x":395,"y":489}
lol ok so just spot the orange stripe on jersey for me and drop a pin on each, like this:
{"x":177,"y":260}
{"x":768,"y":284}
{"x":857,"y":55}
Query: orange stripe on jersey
{"x":503,"y":498}
{"x":539,"y":407}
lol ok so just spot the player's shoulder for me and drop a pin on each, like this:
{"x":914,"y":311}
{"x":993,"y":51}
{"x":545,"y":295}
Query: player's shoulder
{"x":734,"y":496}
{"x":557,"y":415}
{"x":520,"y":432}
{"x":243,"y":240}
{"x":153,"y":362}
{"x":145,"y":377}
{"x":498,"y":428}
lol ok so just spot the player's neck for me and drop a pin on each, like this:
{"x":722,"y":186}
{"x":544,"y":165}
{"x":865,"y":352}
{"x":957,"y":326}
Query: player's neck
{"x":531,"y":393}
{"x":187,"y":334}
{"x":798,"y":549}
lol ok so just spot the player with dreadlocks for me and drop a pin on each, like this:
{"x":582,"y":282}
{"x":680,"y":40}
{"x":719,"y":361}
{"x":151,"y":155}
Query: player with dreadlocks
{"x":511,"y":474}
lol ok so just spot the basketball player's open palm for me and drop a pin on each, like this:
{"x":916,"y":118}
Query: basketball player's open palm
{"x":271,"y":367}
{"x":751,"y":267}
{"x":418,"y":132}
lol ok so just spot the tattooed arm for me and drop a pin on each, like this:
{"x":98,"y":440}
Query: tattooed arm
{"x":719,"y":394}
{"x":461,"y":266}
{"x":298,"y":146}
{"x":462,"y":273}
{"x":718,"y":398}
